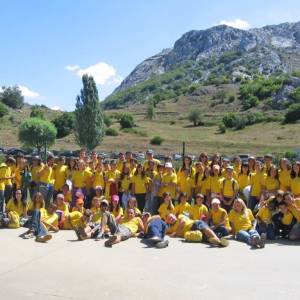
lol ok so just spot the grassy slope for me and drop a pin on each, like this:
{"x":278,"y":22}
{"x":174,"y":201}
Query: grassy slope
{"x":256,"y":139}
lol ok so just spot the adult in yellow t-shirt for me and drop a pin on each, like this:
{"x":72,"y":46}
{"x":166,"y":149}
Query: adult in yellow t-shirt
{"x":60,"y":175}
{"x":169,"y":181}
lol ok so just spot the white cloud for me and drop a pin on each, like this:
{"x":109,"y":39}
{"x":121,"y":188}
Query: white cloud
{"x":72,"y":67}
{"x":103,"y":73}
{"x":55,"y":107}
{"x":27,"y":93}
{"x":236,"y":23}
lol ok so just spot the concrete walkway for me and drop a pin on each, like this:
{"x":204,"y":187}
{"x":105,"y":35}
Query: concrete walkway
{"x":67,"y":269}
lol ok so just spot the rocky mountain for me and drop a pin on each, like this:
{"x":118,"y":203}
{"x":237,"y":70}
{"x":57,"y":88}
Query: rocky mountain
{"x":272,"y":47}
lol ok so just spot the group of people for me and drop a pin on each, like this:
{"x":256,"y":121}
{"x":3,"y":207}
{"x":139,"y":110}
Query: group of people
{"x":204,"y":200}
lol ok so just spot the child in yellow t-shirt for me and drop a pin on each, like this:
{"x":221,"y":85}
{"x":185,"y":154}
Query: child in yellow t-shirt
{"x":166,"y":207}
{"x":199,"y":211}
{"x":264,"y":221}
{"x":183,"y":207}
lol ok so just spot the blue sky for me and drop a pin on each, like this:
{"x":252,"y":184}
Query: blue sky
{"x":46,"y":45}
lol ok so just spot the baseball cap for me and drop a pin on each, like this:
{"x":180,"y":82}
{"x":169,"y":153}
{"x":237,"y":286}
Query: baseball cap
{"x":99,"y":187}
{"x":215,"y":201}
{"x":168,"y":165}
{"x":229,"y":168}
{"x":115,"y":198}
{"x":104,"y":201}
{"x":149,"y":151}
{"x":146,"y":214}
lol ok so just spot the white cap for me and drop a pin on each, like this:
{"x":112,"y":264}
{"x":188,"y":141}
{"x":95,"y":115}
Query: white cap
{"x":215,"y":201}
{"x":168,"y":165}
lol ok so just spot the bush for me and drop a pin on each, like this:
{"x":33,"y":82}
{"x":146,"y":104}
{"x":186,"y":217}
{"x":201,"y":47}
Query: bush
{"x":3,"y":110}
{"x":12,"y":97}
{"x":195,"y":116}
{"x":127,"y":121}
{"x":231,"y":98}
{"x":111,"y":132}
{"x":295,"y":95}
{"x":157,"y":140}
{"x":107,"y":120}
{"x":293,"y":114}
{"x":64,"y":124}
{"x":222,"y":128}
{"x":173,"y":122}
{"x":36,"y":112}
{"x":230,"y":120}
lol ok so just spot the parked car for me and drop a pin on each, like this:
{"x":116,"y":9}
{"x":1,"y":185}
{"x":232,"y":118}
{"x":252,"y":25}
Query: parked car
{"x":177,"y":157}
{"x":15,"y":151}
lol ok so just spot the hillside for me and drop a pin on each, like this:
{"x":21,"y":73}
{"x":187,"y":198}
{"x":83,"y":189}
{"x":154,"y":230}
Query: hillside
{"x":220,"y":54}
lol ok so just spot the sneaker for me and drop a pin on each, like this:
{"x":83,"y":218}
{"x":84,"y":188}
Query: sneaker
{"x":110,"y":241}
{"x":262,"y":241}
{"x":223,"y":242}
{"x":28,"y":235}
{"x":214,"y":241}
{"x":154,"y":239}
{"x":44,"y":238}
{"x":100,"y":237}
{"x":78,"y":234}
{"x":82,"y":233}
{"x":162,"y":244}
{"x":255,"y":241}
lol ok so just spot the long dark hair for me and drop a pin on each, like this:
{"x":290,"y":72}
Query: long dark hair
{"x":16,"y":201}
{"x":183,"y":167}
{"x":269,"y":172}
{"x":143,"y":174}
{"x":241,"y":170}
{"x":293,"y":173}
{"x":123,"y":174}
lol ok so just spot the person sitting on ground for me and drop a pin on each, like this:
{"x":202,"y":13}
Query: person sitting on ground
{"x":242,"y":221}
{"x":129,"y":227}
{"x":199,"y":210}
{"x":264,"y":221}
{"x":283,"y":221}
{"x":79,"y":206}
{"x":167,"y":206}
{"x":39,"y":225}
{"x":218,"y":219}
{"x":294,"y":207}
{"x":181,"y":225}
{"x":132,"y":203}
{"x":62,"y":209}
{"x":155,"y":230}
{"x":115,"y":208}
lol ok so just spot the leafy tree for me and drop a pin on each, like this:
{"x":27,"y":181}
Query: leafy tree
{"x":150,"y":115}
{"x":64,"y":124}
{"x":195,"y":116}
{"x":3,"y":110}
{"x":37,"y":133}
{"x":221,"y":95}
{"x":107,"y":120}
{"x":36,"y":112}
{"x":126,"y":121}
{"x":156,"y":140}
{"x":89,"y":121}
{"x":12,"y":97}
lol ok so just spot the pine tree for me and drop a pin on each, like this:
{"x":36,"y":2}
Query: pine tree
{"x":89,"y":121}
{"x":150,"y":112}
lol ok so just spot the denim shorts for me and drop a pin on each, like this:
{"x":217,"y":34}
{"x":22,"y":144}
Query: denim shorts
{"x":199,"y":225}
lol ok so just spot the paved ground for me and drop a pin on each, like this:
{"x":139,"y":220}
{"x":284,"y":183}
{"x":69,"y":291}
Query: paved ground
{"x":67,"y":269}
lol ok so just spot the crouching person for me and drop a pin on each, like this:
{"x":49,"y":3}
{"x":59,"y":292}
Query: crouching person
{"x":129,"y":227}
{"x":242,"y":222}
{"x":41,"y":223}
{"x":155,"y":230}
{"x":182,"y":225}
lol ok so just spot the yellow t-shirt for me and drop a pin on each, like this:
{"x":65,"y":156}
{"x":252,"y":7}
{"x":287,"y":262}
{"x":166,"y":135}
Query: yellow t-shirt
{"x":188,"y":223}
{"x":73,"y":220}
{"x":3,"y":170}
{"x":47,"y":176}
{"x":294,"y":184}
{"x":287,"y":218}
{"x":139,"y":184}
{"x":205,"y":186}
{"x":183,"y":209}
{"x":197,"y":182}
{"x":256,"y":182}
{"x":217,"y":217}
{"x":215,"y":184}
{"x":241,"y":221}
{"x":137,"y":212}
{"x":51,"y":219}
{"x":118,"y":213}
{"x":271,"y":184}
{"x":97,"y":214}
{"x":169,"y":178}
{"x":146,"y":163}
{"x":243,"y":181}
{"x":265,"y":214}
{"x":60,"y":177}
{"x":284,"y":179}
{"x":132,"y":225}
{"x":293,"y":210}
{"x":8,"y":174}
{"x":98,"y":179}
{"x":230,"y":187}
{"x":198,"y":211}
{"x":34,"y":172}
{"x":185,"y":184}
{"x":80,"y":178}
{"x":125,"y":183}
{"x":65,"y":208}
{"x":164,"y":210}
{"x":19,"y":209}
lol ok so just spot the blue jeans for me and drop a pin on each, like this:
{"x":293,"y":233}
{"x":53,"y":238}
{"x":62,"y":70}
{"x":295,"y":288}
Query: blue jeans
{"x":269,"y":229}
{"x":246,"y":236}
{"x":156,"y":228}
{"x":36,"y":225}
{"x":199,"y":225}
{"x":2,"y":202}
{"x":221,"y":231}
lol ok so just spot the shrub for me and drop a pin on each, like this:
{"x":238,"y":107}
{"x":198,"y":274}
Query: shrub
{"x":173,"y":122}
{"x":293,"y":114}
{"x":36,"y":112}
{"x":12,"y":97}
{"x":127,"y":121}
{"x":107,"y":120}
{"x":295,"y":95}
{"x":231,"y":98}
{"x":195,"y":117}
{"x":156,"y":140}
{"x":3,"y":110}
{"x":111,"y":132}
{"x":230,"y":120}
